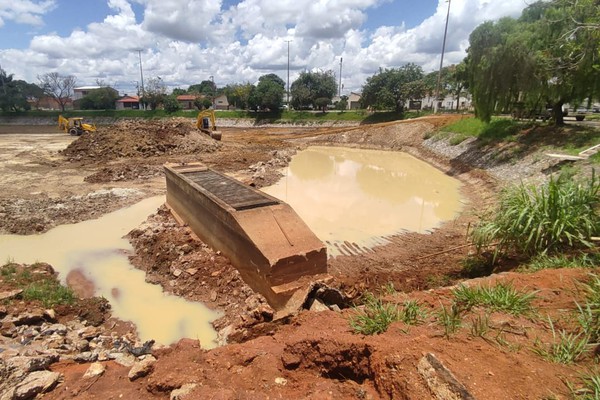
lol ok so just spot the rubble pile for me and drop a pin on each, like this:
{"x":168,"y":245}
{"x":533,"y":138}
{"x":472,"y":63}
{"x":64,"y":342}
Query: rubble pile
{"x":140,"y":139}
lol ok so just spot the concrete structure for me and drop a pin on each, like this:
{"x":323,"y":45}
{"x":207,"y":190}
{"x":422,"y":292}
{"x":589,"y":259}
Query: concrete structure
{"x":80,"y":92}
{"x":353,"y":102}
{"x":273,"y":249}
{"x":221,"y":103}
{"x":186,"y":101}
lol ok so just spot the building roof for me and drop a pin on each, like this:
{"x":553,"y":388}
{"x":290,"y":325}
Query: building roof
{"x":129,"y":99}
{"x":187,"y":97}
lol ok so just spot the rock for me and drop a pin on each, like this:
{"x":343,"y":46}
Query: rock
{"x":30,"y":364}
{"x":317,"y":306}
{"x":142,"y":368}
{"x":3,"y":311}
{"x":192,"y":271}
{"x":10,"y":294}
{"x":213,"y":295}
{"x":36,"y":383}
{"x":280,"y":381}
{"x":96,"y":369}
{"x":182,"y":392}
{"x":126,"y":360}
{"x":85,"y":357}
{"x":442,"y":383}
{"x":177,"y":272}
{"x":59,"y":329}
{"x":50,"y":314}
{"x":34,"y":317}
{"x":335,"y":307}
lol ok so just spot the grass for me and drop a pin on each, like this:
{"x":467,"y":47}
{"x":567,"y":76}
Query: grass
{"x":480,"y":325}
{"x":589,"y":312}
{"x":545,"y":261}
{"x":589,"y":388}
{"x":499,"y":129}
{"x":375,"y":317}
{"x":501,"y":297}
{"x":476,"y":266}
{"x":565,"y":348}
{"x":49,"y":293}
{"x":36,"y":287}
{"x":536,"y":220}
{"x":412,"y":313}
{"x":449,"y":318}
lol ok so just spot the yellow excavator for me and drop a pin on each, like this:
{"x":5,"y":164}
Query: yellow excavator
{"x":206,"y":123}
{"x":75,"y":126}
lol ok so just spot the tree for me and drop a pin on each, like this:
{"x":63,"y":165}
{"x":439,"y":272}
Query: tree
{"x":311,"y":86}
{"x":171,"y":104}
{"x":155,"y":93}
{"x":58,"y":87}
{"x":207,"y":88}
{"x":342,"y":104}
{"x":179,"y":91}
{"x":15,"y":95}
{"x":238,"y":94}
{"x":99,"y":99}
{"x":548,"y":57}
{"x":268,"y":94}
{"x":392,"y":88}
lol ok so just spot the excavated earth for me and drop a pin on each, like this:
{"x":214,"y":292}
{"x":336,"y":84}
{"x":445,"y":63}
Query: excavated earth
{"x":50,"y":179}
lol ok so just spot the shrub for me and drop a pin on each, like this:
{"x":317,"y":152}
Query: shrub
{"x":533,"y":220}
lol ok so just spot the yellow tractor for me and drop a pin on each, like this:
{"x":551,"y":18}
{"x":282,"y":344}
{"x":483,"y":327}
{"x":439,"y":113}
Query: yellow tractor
{"x":206,"y":123}
{"x":75,"y":126}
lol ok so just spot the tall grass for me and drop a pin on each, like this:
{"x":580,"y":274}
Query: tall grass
{"x":500,"y":297}
{"x":533,"y":220}
{"x":375,"y":316}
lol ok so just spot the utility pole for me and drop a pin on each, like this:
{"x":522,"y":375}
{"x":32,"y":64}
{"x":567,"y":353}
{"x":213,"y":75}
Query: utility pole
{"x":141,"y":72}
{"x":288,"y":75}
{"x":340,"y":87}
{"x":214,"y":88}
{"x":439,"y":80}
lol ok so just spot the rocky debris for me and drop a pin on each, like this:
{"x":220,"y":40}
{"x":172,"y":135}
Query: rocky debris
{"x":442,"y":383}
{"x":30,"y":344}
{"x":41,"y":213}
{"x":10,"y":294}
{"x":141,"y":368}
{"x":182,"y":392}
{"x":267,"y":173}
{"x":140,"y":139}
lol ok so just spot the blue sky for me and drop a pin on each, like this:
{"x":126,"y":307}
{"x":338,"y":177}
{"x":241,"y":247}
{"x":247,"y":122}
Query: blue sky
{"x":186,"y":41}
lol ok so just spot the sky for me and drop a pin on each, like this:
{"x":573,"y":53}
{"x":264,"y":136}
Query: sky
{"x":187,"y":41}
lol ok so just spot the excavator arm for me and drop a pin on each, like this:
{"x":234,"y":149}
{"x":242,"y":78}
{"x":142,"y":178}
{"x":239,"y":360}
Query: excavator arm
{"x":63,"y":123}
{"x":206,"y":122}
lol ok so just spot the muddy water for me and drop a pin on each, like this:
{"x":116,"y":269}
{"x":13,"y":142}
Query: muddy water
{"x":96,"y":249}
{"x":361,"y":196}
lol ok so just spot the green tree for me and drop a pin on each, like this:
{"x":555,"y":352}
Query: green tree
{"x":99,"y":99}
{"x":171,"y":104}
{"x":311,"y":86}
{"x":342,"y":104}
{"x":15,"y":95}
{"x":549,"y":56}
{"x":179,"y":91}
{"x":392,"y":88}
{"x":155,"y":93}
{"x":268,"y":94}
{"x":238,"y":94}
{"x":207,"y":88}
{"x":59,"y":87}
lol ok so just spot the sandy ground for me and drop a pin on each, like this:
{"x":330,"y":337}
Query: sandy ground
{"x":313,"y":355}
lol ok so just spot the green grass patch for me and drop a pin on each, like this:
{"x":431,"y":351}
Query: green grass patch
{"x":450,"y":318}
{"x":49,"y":293}
{"x":501,"y":297}
{"x":564,"y":213}
{"x":412,"y":313}
{"x":545,"y":261}
{"x":565,"y":348}
{"x":589,"y":389}
{"x":375,"y":317}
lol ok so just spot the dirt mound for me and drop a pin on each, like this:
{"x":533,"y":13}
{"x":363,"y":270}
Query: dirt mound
{"x":140,"y":139}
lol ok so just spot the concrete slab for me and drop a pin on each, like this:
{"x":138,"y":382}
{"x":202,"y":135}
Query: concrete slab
{"x":262,"y":236}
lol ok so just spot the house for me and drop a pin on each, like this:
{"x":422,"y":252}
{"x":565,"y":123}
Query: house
{"x":353,"y":102}
{"x":128,"y":103}
{"x":80,"y":92}
{"x":186,"y":101}
{"x":49,"y":103}
{"x":221,"y":103}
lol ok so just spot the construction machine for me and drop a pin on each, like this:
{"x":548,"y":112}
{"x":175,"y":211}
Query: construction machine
{"x":75,"y":126}
{"x":206,"y":123}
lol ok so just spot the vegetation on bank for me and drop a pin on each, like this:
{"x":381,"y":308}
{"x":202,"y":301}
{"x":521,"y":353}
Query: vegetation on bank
{"x":281,"y":116}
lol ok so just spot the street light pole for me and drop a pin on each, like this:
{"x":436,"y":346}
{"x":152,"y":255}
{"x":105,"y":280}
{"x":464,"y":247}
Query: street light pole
{"x":439,"y":80}
{"x":212,"y":79}
{"x":141,"y":71}
{"x":340,"y":87}
{"x":288,"y":75}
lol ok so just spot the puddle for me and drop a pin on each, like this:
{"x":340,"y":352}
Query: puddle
{"x":97,"y":250}
{"x":360,"y":197}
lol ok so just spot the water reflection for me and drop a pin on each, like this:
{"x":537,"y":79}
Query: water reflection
{"x":361,"y":196}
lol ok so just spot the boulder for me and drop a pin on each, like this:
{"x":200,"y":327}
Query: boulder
{"x":35,"y":383}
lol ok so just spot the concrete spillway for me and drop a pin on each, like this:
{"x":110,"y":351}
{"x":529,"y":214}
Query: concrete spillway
{"x":272,"y":248}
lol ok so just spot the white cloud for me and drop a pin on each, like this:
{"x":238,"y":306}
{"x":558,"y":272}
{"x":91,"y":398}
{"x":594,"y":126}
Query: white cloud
{"x":186,"y":41}
{"x":27,"y":12}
